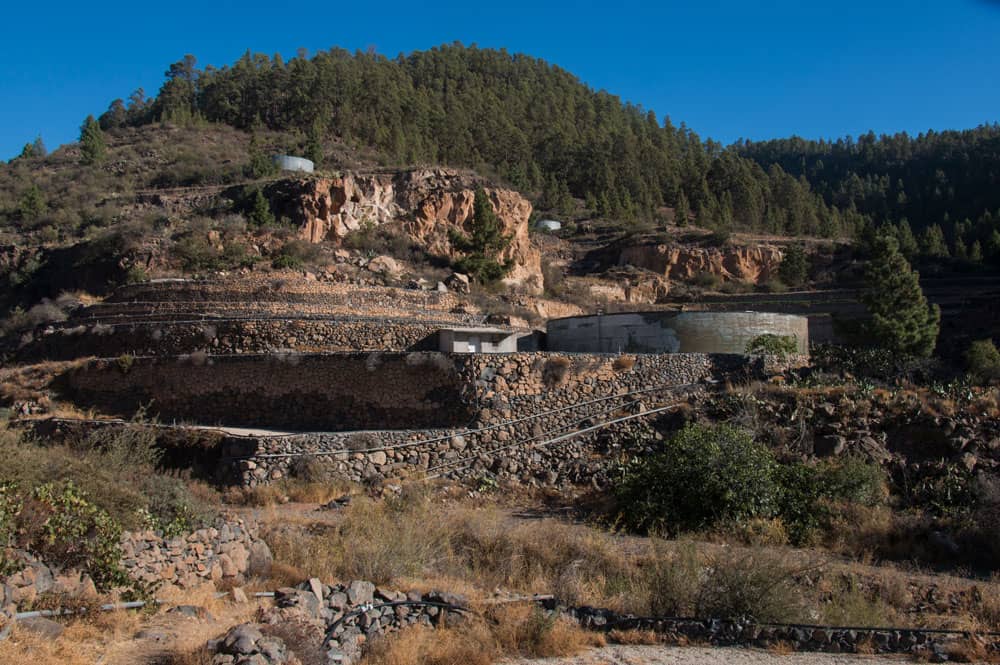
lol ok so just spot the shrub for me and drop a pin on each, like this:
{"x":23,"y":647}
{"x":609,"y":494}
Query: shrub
{"x":58,"y":523}
{"x":294,"y":254}
{"x":767,"y":344}
{"x":773,"y":286}
{"x":704,"y":475}
{"x":125,"y":362}
{"x":809,"y":493}
{"x":756,"y":586}
{"x":794,"y":267}
{"x":554,"y":371}
{"x":707,"y":280}
{"x":982,"y":361}
{"x":171,"y":507}
{"x":623,"y":363}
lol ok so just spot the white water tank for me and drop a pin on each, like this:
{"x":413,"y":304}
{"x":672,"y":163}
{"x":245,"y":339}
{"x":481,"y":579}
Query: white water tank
{"x":291,"y":163}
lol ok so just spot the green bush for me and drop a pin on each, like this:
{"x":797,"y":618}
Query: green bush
{"x":809,"y":493}
{"x":767,"y":344}
{"x":116,"y":469}
{"x":711,"y":475}
{"x":704,"y":475}
{"x":58,"y":523}
{"x":294,"y":254}
{"x":982,"y":361}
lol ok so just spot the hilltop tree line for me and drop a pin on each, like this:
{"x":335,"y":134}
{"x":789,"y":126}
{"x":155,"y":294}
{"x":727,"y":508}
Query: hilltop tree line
{"x":938,"y":193}
{"x":545,"y":132}
{"x":533,"y":124}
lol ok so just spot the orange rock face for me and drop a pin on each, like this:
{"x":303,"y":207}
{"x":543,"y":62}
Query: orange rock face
{"x":755,"y":264}
{"x":429,"y":202}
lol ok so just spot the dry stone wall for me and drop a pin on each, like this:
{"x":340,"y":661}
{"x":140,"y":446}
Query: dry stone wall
{"x":280,"y":391}
{"x":229,"y":551}
{"x":459,"y":415}
{"x":171,"y":338}
{"x":520,"y":403}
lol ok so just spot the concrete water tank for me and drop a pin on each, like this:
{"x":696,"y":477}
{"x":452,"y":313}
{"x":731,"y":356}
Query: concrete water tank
{"x":291,"y":163}
{"x":548,"y":225}
{"x":672,"y":332}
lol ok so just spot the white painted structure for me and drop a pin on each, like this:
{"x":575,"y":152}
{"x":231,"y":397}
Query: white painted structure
{"x":477,"y":340}
{"x":291,"y":163}
{"x":548,"y":225}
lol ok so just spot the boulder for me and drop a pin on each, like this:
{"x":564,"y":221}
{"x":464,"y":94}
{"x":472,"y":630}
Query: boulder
{"x":241,"y":640}
{"x":384,"y":265}
{"x":260,"y":560}
{"x":46,"y":628}
{"x":360,"y":592}
{"x":457,"y":282}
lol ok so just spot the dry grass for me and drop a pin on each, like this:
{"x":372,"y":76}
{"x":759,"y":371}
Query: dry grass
{"x":84,"y":642}
{"x":781,"y":648}
{"x":512,"y":630}
{"x":469,"y":645}
{"x":635,"y":637}
{"x":31,"y":382}
{"x":286,"y":490}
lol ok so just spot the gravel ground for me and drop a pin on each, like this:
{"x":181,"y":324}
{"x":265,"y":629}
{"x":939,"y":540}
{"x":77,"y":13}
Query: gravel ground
{"x":664,"y":655}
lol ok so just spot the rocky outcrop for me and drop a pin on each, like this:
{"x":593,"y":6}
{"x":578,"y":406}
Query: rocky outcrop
{"x":750,"y":263}
{"x":430,"y":202}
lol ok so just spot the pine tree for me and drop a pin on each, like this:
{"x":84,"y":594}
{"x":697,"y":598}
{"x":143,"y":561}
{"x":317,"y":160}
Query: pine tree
{"x":32,"y":204}
{"x":682,"y":210}
{"x":260,"y":211}
{"x":932,"y":242}
{"x":794,"y":267}
{"x":314,"y":143}
{"x":976,"y":252}
{"x":907,"y":242}
{"x":483,"y":247}
{"x":260,"y":165}
{"x":38,"y":148}
{"x":961,"y":251}
{"x":902,"y":321}
{"x":92,"y":147}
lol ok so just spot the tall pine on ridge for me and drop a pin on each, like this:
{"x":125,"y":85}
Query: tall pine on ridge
{"x":902,"y":320}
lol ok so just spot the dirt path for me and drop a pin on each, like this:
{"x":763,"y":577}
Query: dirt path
{"x":663,"y":655}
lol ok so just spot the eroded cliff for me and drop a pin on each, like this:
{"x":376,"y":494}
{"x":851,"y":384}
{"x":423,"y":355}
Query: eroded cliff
{"x":428,"y":202}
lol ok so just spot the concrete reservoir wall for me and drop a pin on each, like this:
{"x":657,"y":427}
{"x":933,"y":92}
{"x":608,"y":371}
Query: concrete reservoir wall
{"x":672,"y":332}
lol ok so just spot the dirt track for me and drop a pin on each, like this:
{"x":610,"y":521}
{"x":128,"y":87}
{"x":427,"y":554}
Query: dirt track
{"x":663,"y":655}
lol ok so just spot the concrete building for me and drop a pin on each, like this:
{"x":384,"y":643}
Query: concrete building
{"x":477,"y":340}
{"x":672,"y":332}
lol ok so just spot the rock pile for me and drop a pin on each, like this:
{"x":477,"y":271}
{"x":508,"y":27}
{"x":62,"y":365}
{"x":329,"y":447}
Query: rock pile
{"x":35,"y":578}
{"x":230,"y":550}
{"x":340,"y":619}
{"x":246,"y":645}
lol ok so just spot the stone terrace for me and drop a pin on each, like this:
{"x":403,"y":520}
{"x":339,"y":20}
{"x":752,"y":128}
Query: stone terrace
{"x":250,"y":316}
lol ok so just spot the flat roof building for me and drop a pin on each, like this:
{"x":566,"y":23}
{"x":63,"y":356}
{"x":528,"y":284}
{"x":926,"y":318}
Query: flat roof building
{"x":477,"y":340}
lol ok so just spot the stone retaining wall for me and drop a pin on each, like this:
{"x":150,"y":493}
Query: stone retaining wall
{"x":496,"y":409}
{"x":172,"y":338}
{"x":279,"y":391}
{"x":229,"y":551}
{"x":344,"y":618}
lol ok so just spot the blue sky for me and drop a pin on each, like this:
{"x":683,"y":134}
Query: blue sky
{"x":729,"y":69}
